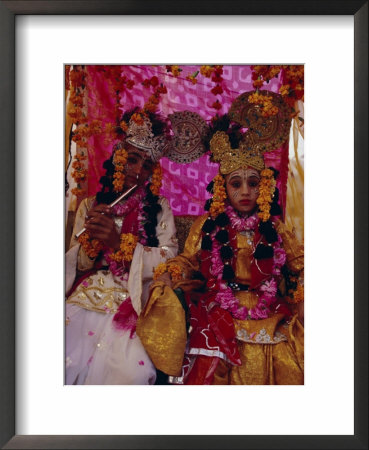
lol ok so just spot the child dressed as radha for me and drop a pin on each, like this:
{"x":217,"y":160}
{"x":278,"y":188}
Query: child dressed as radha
{"x":241,"y":273}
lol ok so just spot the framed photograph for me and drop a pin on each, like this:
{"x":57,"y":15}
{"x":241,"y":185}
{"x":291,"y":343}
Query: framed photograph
{"x":37,"y":40}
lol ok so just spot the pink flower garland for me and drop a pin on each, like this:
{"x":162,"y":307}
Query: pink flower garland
{"x":120,"y":209}
{"x":266,"y":292}
{"x":241,"y":223}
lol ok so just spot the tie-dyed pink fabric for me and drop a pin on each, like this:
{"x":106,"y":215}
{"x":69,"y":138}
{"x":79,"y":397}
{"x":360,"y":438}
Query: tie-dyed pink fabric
{"x":184,"y":185}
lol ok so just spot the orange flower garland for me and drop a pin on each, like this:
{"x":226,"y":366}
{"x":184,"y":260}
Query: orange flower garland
{"x":128,"y":242}
{"x":92,"y":247}
{"x":85,"y":130}
{"x":292,"y":77}
{"x":124,"y":126}
{"x":157,"y":177}
{"x":79,"y":174}
{"x":159,"y":270}
{"x":174,"y":271}
{"x":215,"y":73}
{"x":192,"y":77}
{"x":266,"y":191}
{"x":137,"y":117}
{"x":293,"y":87}
{"x":152,"y":104}
{"x":217,"y":205}
{"x":297,"y":295}
{"x":264,"y":73}
{"x":175,"y":70}
{"x":120,"y":159}
{"x":206,"y":71}
{"x":265,"y":102}
{"x":284,"y":90}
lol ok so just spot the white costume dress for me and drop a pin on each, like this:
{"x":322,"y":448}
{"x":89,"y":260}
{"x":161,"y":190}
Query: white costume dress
{"x":97,"y":352}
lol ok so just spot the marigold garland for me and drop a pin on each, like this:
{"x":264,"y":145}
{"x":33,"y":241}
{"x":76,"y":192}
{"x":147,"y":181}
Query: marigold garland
{"x":92,"y":247}
{"x":152,"y":104}
{"x":264,"y":73}
{"x":128,"y":242}
{"x":206,"y":71}
{"x":266,"y":190}
{"x":284,"y":89}
{"x":77,"y":77}
{"x":293,"y":84}
{"x":84,"y":130}
{"x":296,"y":295}
{"x":111,"y":133}
{"x":157,"y":176}
{"x":79,"y":174}
{"x":118,"y":84}
{"x":159,"y":270}
{"x":215,"y":73}
{"x":217,"y":204}
{"x":120,"y":159}
{"x":265,"y":102}
{"x":124,"y":126}
{"x":292,"y":77}
{"x":174,"y":271}
{"x":175,"y":70}
{"x":138,"y":118}
{"x":193,"y":77}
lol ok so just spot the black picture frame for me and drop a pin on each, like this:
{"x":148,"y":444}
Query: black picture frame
{"x":8,"y":11}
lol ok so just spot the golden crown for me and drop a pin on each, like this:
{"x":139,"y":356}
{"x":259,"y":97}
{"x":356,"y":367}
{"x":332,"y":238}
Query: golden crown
{"x":231,"y":159}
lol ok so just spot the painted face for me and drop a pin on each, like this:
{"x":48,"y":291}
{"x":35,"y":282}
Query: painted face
{"x":138,"y":167}
{"x":242,"y":187}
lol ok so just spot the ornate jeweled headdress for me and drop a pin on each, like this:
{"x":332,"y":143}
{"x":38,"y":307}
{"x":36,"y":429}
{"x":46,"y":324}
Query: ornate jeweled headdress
{"x":140,"y":135}
{"x":231,"y":159}
{"x":266,"y":131}
{"x":188,"y":129}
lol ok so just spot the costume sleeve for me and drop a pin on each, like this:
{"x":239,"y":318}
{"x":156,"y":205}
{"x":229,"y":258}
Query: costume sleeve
{"x":162,"y":329}
{"x":83,"y":262}
{"x":293,"y":248}
{"x":294,"y":261}
{"x":76,"y":258}
{"x":145,"y":259}
{"x":189,"y":261}
{"x":162,"y":324}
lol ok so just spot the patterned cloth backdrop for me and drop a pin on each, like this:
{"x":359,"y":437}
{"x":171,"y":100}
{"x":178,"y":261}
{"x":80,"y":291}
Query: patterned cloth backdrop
{"x":183,"y":184}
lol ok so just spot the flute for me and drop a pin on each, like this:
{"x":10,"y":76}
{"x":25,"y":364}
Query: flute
{"x":117,"y":200}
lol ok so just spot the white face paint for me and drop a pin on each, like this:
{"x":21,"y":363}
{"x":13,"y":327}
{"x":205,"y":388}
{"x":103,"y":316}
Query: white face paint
{"x":242,"y":187}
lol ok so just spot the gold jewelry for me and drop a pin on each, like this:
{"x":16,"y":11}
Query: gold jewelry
{"x":231,"y":159}
{"x":188,"y":128}
{"x":267,"y":131}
